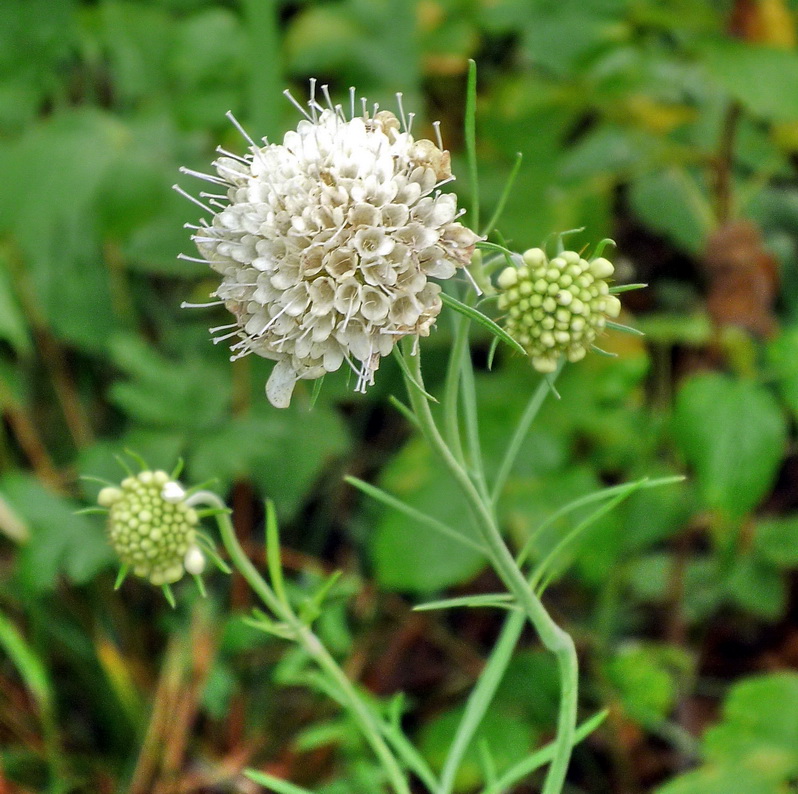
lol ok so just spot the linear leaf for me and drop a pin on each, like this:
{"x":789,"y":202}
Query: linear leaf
{"x":481,"y":319}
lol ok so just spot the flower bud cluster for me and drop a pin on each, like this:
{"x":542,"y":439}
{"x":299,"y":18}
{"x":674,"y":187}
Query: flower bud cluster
{"x":556,"y":307}
{"x":151,"y":528}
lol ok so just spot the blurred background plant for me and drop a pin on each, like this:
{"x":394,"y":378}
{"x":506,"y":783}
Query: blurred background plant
{"x":669,"y":125}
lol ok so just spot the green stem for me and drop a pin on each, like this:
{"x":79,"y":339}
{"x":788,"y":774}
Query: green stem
{"x":521,"y":430}
{"x":365,"y":719}
{"x":265,"y":60}
{"x":451,"y":388}
{"x":554,"y":639}
{"x":481,"y":697}
{"x":471,"y":141}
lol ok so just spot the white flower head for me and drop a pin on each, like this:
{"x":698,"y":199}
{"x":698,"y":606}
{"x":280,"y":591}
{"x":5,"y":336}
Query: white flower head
{"x":325,"y":243}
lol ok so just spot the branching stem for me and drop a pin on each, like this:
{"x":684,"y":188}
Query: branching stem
{"x":356,"y":705}
{"x":554,"y":639}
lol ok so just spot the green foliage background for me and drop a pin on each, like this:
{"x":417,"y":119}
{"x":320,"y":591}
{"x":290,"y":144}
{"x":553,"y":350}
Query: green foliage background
{"x":655,"y":122}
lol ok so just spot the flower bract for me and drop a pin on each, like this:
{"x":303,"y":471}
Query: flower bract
{"x":326,"y":243}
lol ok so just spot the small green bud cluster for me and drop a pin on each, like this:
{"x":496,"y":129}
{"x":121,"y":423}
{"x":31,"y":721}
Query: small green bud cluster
{"x":557,"y":306}
{"x":151,"y":527}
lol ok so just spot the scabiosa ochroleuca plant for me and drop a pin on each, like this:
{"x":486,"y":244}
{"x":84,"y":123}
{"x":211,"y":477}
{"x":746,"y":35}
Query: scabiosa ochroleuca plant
{"x":556,"y":307}
{"x":326,"y":242}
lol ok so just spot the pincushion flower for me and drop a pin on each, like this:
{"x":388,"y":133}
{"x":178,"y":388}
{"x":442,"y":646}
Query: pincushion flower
{"x":326,"y":243}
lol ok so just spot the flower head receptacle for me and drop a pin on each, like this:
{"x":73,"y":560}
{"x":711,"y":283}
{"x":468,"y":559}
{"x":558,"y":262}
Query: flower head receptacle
{"x":152,"y":528}
{"x":326,"y":242}
{"x":556,"y":307}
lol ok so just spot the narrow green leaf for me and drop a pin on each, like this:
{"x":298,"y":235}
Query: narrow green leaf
{"x":543,"y":756}
{"x":273,"y":560}
{"x":311,"y":609}
{"x":100,"y":480}
{"x":169,"y":595}
{"x":602,"y":352}
{"x":317,"y":384}
{"x":486,"y":762}
{"x":200,"y":585}
{"x":602,"y":244}
{"x":619,"y":288}
{"x":143,"y":465}
{"x":544,"y":572}
{"x":275,"y":784}
{"x":494,"y":344}
{"x":481,"y":319}
{"x":502,"y":600}
{"x":471,"y":140}
{"x":209,"y":548}
{"x":508,"y":185}
{"x":596,"y":496}
{"x":121,"y":576}
{"x":262,"y":622}
{"x":624,"y":329}
{"x":123,"y":465}
{"x":416,"y":515}
{"x":404,"y":410}
{"x":400,"y":359}
{"x":559,"y":236}
{"x":407,"y":752}
{"x":30,"y":667}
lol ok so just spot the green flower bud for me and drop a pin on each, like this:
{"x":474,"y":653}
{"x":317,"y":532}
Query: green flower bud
{"x":556,"y":307}
{"x":151,"y":528}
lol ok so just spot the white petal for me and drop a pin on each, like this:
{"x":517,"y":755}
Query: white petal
{"x":280,"y":385}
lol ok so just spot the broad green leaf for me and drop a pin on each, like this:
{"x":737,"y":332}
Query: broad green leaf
{"x":60,"y":541}
{"x":187,"y":394}
{"x":646,"y":678}
{"x":782,"y":354}
{"x":758,"y":587}
{"x":13,"y":325}
{"x":776,"y":540}
{"x":283,"y":452}
{"x":762,"y":78}
{"x":506,"y":735}
{"x":650,"y":579}
{"x":137,"y":38}
{"x":754,"y":748}
{"x":558,"y":35}
{"x":759,"y":729}
{"x":732,"y":433}
{"x":720,"y":780}
{"x":671,"y":202}
{"x":55,"y":228}
{"x":408,"y":556}
{"x":208,"y":48}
